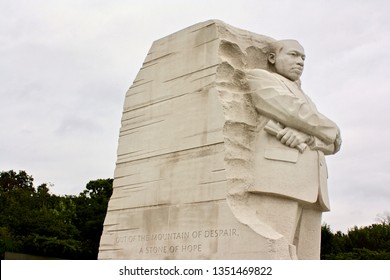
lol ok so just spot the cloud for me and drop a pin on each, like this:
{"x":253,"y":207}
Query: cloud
{"x":66,"y":66}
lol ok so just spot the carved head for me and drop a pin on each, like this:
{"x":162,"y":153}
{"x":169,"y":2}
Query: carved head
{"x":286,"y":57}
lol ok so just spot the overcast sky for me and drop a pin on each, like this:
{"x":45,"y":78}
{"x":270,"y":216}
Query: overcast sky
{"x":65,"y":67}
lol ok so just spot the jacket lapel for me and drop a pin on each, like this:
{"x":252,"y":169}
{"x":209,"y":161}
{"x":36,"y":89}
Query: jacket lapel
{"x":295,"y":89}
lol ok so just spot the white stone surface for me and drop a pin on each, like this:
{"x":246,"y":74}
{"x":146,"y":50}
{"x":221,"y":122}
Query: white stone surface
{"x":185,"y":181}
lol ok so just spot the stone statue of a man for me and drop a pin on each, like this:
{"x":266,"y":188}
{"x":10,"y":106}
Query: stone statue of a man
{"x":290,"y":191}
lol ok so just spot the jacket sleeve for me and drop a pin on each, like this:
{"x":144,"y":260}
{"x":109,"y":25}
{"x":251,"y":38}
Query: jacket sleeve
{"x":272,"y":99}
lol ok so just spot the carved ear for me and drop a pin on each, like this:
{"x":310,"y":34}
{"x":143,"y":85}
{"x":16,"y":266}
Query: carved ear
{"x":271,"y":58}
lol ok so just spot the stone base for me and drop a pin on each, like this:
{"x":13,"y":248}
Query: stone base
{"x":194,"y":231}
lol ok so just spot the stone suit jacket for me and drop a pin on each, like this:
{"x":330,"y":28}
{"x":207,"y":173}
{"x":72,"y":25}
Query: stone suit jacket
{"x":281,"y":170}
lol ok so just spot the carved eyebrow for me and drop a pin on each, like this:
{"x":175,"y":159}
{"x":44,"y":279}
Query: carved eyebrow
{"x":297,"y":53}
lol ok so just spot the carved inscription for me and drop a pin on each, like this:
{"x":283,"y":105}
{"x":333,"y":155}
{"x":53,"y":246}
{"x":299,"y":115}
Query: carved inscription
{"x":170,"y":243}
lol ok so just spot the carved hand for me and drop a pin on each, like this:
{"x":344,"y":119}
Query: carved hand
{"x":337,"y":143}
{"x":292,"y":137}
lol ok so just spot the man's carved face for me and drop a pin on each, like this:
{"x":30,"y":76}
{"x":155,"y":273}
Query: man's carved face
{"x":289,"y":59}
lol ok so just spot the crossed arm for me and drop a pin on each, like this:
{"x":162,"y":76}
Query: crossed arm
{"x":292,"y":138}
{"x":302,"y":122}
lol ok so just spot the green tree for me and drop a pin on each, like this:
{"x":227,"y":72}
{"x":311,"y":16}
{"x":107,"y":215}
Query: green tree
{"x":91,"y":208}
{"x":30,"y":215}
{"x":32,"y":220}
{"x":364,"y":243}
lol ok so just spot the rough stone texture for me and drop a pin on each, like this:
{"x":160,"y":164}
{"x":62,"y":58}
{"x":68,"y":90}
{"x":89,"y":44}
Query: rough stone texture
{"x":185,"y":155}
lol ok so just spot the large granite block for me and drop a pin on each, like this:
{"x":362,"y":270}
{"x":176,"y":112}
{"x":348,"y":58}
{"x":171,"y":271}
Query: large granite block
{"x":185,"y":147}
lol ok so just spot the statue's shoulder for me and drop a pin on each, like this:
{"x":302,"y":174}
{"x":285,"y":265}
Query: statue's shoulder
{"x":262,"y":76}
{"x":258,"y":72}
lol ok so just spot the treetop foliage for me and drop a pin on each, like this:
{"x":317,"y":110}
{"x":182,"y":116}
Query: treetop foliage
{"x":364,"y":243}
{"x":34,"y":221}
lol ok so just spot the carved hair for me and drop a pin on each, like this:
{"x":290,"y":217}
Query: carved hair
{"x":276,"y":46}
